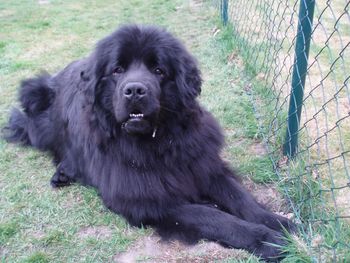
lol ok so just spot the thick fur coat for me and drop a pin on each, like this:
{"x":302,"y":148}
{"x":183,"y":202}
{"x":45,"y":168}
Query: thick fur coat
{"x":126,"y":121}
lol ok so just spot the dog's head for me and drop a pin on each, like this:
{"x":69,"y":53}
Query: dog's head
{"x":142,"y":73}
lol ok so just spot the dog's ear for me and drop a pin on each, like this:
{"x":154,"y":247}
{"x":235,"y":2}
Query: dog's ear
{"x":102,"y":114}
{"x":94,"y":71}
{"x":96,"y":94}
{"x":88,"y":83}
{"x":98,"y":64}
{"x":96,"y":85}
{"x":102,"y":56}
{"x":188,"y":78}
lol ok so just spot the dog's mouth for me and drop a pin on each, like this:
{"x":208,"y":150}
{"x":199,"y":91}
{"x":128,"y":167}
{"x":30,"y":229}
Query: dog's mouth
{"x":138,"y":123}
{"x":136,"y":116}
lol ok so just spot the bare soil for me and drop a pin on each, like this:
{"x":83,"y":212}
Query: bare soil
{"x":95,"y":232}
{"x":153,"y":249}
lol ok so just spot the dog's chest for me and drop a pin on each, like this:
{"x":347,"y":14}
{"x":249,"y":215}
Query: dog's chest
{"x":134,"y":179}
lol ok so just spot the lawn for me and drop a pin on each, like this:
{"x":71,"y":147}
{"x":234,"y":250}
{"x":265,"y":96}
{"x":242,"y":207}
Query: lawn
{"x":316,"y":180}
{"x":40,"y":224}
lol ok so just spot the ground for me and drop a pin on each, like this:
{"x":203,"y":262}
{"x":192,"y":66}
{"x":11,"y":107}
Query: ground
{"x":40,"y":224}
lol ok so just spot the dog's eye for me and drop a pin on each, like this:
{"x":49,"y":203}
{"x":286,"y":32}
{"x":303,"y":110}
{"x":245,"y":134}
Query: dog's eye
{"x":118,"y":70}
{"x":158,"y":71}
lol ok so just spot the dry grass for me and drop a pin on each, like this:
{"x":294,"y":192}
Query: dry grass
{"x":153,"y":249}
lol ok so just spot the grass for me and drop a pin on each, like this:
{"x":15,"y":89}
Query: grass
{"x":39,"y":224}
{"x":316,"y":180}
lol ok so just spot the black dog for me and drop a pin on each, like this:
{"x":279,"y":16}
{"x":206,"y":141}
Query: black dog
{"x":126,"y":121}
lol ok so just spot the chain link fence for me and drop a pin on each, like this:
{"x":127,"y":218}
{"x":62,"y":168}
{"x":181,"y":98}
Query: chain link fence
{"x":297,"y":59}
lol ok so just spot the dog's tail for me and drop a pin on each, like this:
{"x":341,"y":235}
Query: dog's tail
{"x":17,"y":128}
{"x":35,"y":96}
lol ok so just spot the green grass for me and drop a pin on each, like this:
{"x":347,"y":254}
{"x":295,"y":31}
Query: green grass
{"x":7,"y":230}
{"x":39,"y":224}
{"x":311,"y":179}
{"x":37,"y":257}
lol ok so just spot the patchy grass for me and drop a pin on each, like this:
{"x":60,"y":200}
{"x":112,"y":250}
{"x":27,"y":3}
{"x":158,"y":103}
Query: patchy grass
{"x":7,"y":230}
{"x":317,"y":179}
{"x":39,"y":224}
{"x":37,"y":257}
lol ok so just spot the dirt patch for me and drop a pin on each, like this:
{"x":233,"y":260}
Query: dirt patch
{"x":75,"y":197}
{"x":153,"y":249}
{"x":95,"y":232}
{"x":269,"y":196}
{"x":196,"y":3}
{"x":258,"y":148}
{"x":235,"y":60}
{"x":39,"y":234}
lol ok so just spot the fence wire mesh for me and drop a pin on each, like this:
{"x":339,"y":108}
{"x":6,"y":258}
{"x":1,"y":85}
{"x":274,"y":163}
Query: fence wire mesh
{"x":317,"y":180}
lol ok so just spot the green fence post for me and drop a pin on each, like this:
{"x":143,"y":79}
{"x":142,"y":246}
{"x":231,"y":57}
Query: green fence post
{"x":224,"y":11}
{"x":302,"y":47}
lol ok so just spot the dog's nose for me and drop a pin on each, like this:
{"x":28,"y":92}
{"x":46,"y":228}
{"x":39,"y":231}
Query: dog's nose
{"x":135,"y":90}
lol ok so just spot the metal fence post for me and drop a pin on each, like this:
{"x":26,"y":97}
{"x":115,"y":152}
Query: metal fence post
{"x":224,"y":11}
{"x":302,"y":47}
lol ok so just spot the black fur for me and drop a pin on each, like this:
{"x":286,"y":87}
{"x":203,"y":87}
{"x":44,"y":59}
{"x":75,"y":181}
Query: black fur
{"x":126,"y":121}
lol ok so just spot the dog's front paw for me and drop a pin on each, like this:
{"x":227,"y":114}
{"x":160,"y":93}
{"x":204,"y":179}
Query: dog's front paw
{"x":59,"y":179}
{"x":287,"y":224}
{"x":278,"y":223}
{"x":268,"y":245}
